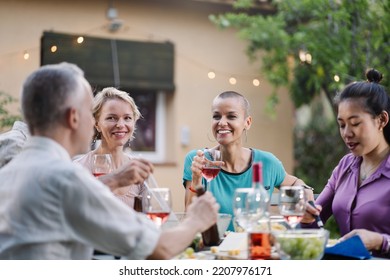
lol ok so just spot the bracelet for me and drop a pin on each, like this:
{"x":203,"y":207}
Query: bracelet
{"x":190,"y":188}
{"x":307,"y":187}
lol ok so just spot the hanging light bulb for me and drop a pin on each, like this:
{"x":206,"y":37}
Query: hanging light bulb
{"x":53,"y":48}
{"x":256,"y":82}
{"x":308,"y":58}
{"x":80,"y":39}
{"x":26,"y":55}
{"x":336,"y":78}
{"x":211,"y":75}
{"x":302,"y":55}
{"x":232,"y":81}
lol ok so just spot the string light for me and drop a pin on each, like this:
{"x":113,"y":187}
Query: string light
{"x":308,"y":58}
{"x":336,"y":78}
{"x":232,"y":81}
{"x":211,"y":75}
{"x":26,"y":55}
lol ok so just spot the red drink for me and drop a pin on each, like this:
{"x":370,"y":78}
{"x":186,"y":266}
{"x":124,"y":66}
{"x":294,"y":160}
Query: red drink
{"x":158,"y":217}
{"x":259,"y":246}
{"x":99,"y":174}
{"x":210,"y":172}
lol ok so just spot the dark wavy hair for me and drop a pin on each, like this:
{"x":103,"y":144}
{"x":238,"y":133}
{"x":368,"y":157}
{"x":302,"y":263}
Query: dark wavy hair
{"x":373,"y":96}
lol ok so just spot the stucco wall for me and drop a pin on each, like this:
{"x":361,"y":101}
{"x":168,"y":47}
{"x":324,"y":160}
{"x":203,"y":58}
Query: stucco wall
{"x":199,"y":47}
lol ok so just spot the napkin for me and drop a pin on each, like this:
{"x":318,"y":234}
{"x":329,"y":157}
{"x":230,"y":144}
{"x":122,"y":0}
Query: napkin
{"x":234,"y":241}
{"x":349,"y":249}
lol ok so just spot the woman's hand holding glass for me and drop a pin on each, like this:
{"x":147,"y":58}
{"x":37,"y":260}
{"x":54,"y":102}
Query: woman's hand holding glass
{"x":206,"y":164}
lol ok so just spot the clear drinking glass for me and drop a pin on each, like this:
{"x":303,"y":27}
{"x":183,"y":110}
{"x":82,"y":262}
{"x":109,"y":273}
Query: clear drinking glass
{"x":240,"y":209}
{"x":157,"y":205}
{"x":101,"y":164}
{"x":211,"y":169}
{"x":292,"y":204}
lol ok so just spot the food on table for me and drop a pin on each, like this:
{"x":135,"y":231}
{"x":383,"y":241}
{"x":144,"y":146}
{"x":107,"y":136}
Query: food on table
{"x":301,"y":244}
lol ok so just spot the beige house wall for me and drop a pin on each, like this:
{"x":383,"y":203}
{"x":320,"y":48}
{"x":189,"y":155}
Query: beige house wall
{"x":199,"y":47}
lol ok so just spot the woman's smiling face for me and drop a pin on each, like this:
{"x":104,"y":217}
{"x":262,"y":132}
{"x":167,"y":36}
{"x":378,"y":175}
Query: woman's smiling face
{"x":116,"y":122}
{"x":228,"y":119}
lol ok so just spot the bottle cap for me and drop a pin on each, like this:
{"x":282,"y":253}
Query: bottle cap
{"x":257,"y":169}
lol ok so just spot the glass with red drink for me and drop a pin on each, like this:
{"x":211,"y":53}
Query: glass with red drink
{"x":212,"y":164}
{"x":157,"y":205}
{"x":101,"y":164}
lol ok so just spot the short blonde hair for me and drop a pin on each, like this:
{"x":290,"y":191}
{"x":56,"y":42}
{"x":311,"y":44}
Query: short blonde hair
{"x":110,"y":93}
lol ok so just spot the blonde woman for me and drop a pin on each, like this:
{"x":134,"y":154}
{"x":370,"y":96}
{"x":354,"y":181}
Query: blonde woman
{"x":116,"y":115}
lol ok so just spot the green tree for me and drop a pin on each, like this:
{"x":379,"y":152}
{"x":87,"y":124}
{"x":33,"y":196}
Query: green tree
{"x":313,"y":46}
{"x":6,"y":118}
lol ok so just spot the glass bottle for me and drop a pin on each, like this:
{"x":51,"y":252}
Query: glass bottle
{"x":211,"y":235}
{"x":259,"y":239}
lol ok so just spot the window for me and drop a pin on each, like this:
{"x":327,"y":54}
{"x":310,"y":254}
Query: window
{"x":144,"y":69}
{"x":150,"y":134}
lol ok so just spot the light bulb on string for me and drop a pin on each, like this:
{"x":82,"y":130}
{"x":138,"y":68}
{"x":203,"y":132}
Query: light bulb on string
{"x":211,"y":75}
{"x":26,"y":55}
{"x":232,"y":80}
{"x":336,"y":78}
{"x":256,"y":82}
{"x":53,"y":48}
{"x":308,"y":58}
{"x":80,"y":39}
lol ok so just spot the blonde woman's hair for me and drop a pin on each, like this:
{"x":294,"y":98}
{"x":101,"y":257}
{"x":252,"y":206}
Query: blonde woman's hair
{"x":110,"y":93}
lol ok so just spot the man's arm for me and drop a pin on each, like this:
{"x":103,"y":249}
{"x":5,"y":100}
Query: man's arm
{"x":134,"y":172}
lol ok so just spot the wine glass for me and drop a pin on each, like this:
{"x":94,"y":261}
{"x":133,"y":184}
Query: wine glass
{"x":102,"y":164}
{"x":211,"y":169}
{"x":157,"y":205}
{"x":240,"y":209}
{"x":292,"y":204}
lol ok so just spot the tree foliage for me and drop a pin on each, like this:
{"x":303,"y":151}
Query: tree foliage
{"x":312,"y":47}
{"x":306,"y":43}
{"x":6,"y":118}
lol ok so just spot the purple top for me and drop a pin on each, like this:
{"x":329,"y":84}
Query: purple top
{"x":354,"y":207}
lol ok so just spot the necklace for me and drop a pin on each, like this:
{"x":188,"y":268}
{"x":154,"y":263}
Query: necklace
{"x":365,"y":173}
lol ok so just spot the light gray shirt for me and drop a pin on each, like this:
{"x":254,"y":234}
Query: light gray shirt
{"x":50,"y":208}
{"x":12,"y":142}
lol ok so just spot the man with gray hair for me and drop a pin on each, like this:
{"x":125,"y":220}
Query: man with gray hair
{"x":51,"y":208}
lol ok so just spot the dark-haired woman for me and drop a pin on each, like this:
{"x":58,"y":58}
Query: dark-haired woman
{"x":358,"y":191}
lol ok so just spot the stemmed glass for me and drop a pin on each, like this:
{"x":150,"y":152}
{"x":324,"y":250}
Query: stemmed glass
{"x":292,"y":204}
{"x":102,"y":164}
{"x":240,"y":209}
{"x":211,"y":169}
{"x":157,"y":205}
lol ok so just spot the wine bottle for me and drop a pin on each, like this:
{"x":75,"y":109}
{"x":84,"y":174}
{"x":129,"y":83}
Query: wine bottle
{"x":258,"y":187}
{"x":211,"y":235}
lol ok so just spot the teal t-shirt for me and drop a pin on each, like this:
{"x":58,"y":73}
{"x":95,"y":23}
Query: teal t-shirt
{"x":224,"y":185}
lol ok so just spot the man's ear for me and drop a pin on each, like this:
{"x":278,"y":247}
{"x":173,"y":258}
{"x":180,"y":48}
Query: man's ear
{"x":72,"y":118}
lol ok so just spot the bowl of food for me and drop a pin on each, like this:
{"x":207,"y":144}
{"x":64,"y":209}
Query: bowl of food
{"x":301,"y":244}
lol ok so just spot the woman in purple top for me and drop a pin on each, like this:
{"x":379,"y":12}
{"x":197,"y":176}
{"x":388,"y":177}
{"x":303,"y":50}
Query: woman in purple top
{"x":358,"y":192}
